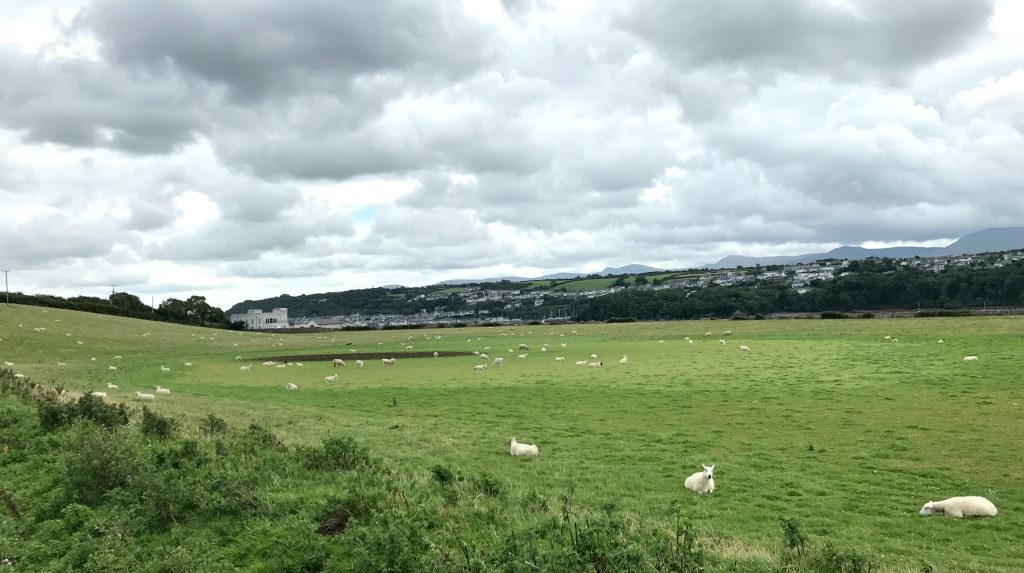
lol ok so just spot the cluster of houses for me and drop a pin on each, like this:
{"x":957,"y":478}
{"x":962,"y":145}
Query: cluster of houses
{"x":800,"y":276}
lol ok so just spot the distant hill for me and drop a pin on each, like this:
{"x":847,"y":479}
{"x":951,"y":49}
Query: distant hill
{"x":989,"y":240}
{"x":633,"y":269}
{"x":629,"y":270}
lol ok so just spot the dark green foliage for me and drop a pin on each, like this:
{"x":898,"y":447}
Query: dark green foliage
{"x":442,"y":474}
{"x":53,"y":413}
{"x":194,"y":310}
{"x":212,"y":425}
{"x":155,"y":425}
{"x":830,"y":314}
{"x":792,"y":537}
{"x":831,"y":560}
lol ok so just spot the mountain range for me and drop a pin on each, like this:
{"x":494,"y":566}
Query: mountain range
{"x":987,"y":241}
{"x":608,"y":271}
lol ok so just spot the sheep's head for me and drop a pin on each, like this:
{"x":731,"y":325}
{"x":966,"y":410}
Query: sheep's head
{"x":928,"y":509}
{"x":709,"y":471}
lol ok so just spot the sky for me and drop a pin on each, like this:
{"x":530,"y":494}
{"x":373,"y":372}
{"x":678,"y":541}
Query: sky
{"x":242,"y":149}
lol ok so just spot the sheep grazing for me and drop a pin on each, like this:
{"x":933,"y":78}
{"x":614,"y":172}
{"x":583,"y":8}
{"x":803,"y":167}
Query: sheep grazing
{"x":970,"y":358}
{"x":387,"y":361}
{"x":188,"y":365}
{"x":338,"y":362}
{"x":162,"y":390}
{"x":593,"y":356}
{"x":524,"y":347}
{"x":111,"y":386}
{"x":690,"y":342}
{"x":522,"y":356}
{"x":290,"y":386}
{"x":721,"y":341}
{"x":409,"y":347}
{"x":708,"y":333}
{"x":164,"y":369}
{"x":499,"y":361}
{"x":239,"y":357}
{"x":436,"y":354}
{"x":528,"y":450}
{"x":563,"y":345}
{"x":624,"y":359}
{"x":702,"y":481}
{"x":145,"y":397}
{"x":744,"y":348}
{"x":332,"y":378}
{"x":887,"y":338}
{"x":99,"y":394}
{"x":544,"y":348}
{"x":480,"y":367}
{"x":967,"y":506}
{"x":483,"y":356}
{"x":19,"y":375}
{"x":359,"y":363}
{"x":727,"y":333}
{"x":560,"y":359}
{"x":111,"y":367}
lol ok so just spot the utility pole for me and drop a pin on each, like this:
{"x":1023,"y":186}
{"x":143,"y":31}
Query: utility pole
{"x":112,"y":287}
{"x":7,"y":291}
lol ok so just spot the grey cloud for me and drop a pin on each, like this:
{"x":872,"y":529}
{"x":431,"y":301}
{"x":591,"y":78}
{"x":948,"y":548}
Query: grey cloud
{"x":267,"y":46}
{"x":87,"y":104}
{"x":52,"y":238}
{"x":862,"y":38}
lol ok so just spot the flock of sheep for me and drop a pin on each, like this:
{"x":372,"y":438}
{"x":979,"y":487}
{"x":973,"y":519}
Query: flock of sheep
{"x":701,"y":482}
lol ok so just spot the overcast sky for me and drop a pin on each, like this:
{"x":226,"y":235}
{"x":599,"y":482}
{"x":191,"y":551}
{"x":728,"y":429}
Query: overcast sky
{"x":242,"y":149}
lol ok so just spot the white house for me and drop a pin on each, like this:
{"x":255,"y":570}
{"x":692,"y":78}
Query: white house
{"x":256,"y":319}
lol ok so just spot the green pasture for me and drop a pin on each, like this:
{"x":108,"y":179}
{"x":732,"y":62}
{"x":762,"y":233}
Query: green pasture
{"x":824,"y":421}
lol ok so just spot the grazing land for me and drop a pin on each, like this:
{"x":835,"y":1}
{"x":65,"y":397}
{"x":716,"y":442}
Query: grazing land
{"x":824,"y":422}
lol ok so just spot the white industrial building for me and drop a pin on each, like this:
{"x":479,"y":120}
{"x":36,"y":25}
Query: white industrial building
{"x":256,"y":319}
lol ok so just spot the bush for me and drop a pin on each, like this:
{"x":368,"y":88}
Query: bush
{"x":442,"y":474}
{"x":155,"y":425}
{"x":213,"y":425}
{"x":339,"y":454}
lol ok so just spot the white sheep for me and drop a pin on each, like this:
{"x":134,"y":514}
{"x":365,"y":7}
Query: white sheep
{"x":524,"y":346}
{"x":111,"y":367}
{"x":62,"y":364}
{"x":744,"y":348}
{"x":544,"y":348}
{"x":941,"y":341}
{"x":727,"y":333}
{"x":162,"y":390}
{"x":595,"y":364}
{"x":593,"y":356}
{"x":239,"y":357}
{"x":338,"y":362}
{"x":528,"y":450}
{"x":708,"y":333}
{"x":702,"y":481}
{"x":164,"y":369}
{"x":290,"y":386}
{"x":480,"y":367}
{"x":145,"y":397}
{"x":624,"y":359}
{"x":581,"y":363}
{"x":388,"y":361}
{"x":560,"y":359}
{"x":245,"y":368}
{"x":111,"y":386}
{"x":499,"y":361}
{"x":188,"y":365}
{"x":483,"y":356}
{"x":970,"y":358}
{"x":563,"y":345}
{"x":435,"y":354}
{"x":721,"y":341}
{"x":690,"y":342}
{"x":359,"y":363}
{"x":522,"y":356}
{"x":19,"y":375}
{"x":332,"y":378}
{"x":99,"y":394}
{"x":967,"y":506}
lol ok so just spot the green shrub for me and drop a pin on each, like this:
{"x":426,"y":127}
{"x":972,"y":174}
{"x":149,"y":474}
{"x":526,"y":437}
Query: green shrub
{"x":155,"y":425}
{"x":213,"y":425}
{"x":442,"y":474}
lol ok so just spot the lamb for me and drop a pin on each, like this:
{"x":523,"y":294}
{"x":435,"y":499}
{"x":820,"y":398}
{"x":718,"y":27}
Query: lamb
{"x":970,"y":358}
{"x":99,"y":394}
{"x":145,"y":397}
{"x":111,"y":386}
{"x":359,"y":363}
{"x":708,"y":333}
{"x":968,"y":506}
{"x":624,"y":359}
{"x":290,"y":386}
{"x":239,"y":357}
{"x":188,"y":365}
{"x":690,"y":342}
{"x":721,"y":341}
{"x":727,"y":333}
{"x":245,"y":368}
{"x":483,"y":356}
{"x":498,"y":361}
{"x":559,"y":358}
{"x":744,"y":348}
{"x":702,"y":481}
{"x":162,"y":390}
{"x":480,"y":367}
{"x":111,"y":367}
{"x":528,"y":450}
{"x":338,"y":362}
{"x":544,"y":348}
{"x":333,"y":378}
{"x":164,"y":369}
{"x":522,"y":356}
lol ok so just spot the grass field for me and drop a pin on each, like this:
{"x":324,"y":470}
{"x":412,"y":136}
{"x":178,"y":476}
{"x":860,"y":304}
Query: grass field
{"x":823,"y":421}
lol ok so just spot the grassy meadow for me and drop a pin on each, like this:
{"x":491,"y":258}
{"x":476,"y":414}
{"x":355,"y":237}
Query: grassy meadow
{"x":824,"y":421}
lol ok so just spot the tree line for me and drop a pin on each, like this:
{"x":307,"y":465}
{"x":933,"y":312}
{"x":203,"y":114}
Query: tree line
{"x":194,"y":310}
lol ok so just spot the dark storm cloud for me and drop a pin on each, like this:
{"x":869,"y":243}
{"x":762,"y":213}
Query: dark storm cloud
{"x":860,"y":38}
{"x":256,"y":47}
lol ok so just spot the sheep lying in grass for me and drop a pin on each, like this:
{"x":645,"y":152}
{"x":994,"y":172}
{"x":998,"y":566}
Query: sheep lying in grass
{"x":359,"y":363}
{"x":521,"y":356}
{"x":702,"y":481}
{"x":111,"y":386}
{"x":333,"y":378}
{"x":721,"y":341}
{"x":245,"y":368}
{"x":970,"y":358}
{"x":744,"y":348}
{"x":99,"y":394}
{"x":162,"y":390}
{"x":528,"y":450}
{"x":597,"y":364}
{"x":968,"y":506}
{"x":290,"y":386}
{"x":188,"y":365}
{"x":145,"y":397}
{"x":480,"y":367}
{"x":111,"y":367}
{"x":581,"y":363}
{"x":624,"y":359}
{"x":164,"y":369}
